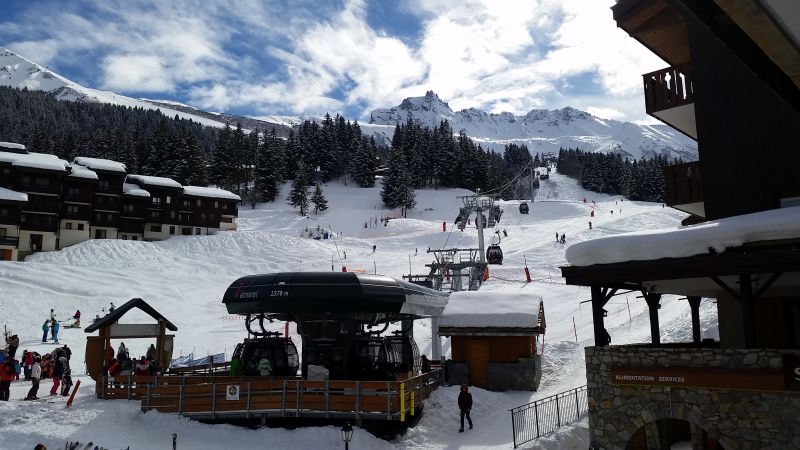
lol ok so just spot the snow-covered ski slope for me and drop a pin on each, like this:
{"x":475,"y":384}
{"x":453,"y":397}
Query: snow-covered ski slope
{"x":185,"y":277}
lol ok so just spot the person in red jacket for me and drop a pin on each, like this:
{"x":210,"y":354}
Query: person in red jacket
{"x":465,"y":405}
{"x":7,"y":373}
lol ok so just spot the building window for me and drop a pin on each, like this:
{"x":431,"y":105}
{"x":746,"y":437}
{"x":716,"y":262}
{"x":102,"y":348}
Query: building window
{"x":124,"y":237}
{"x":187,"y":204}
{"x":199,"y":203}
{"x":197,"y":231}
{"x":154,"y":215}
{"x":128,"y":208}
{"x":172,"y":230}
{"x":134,"y":238}
{"x":169,"y":199}
{"x":172,"y":214}
{"x":5,"y":171}
{"x":157,"y":202}
{"x":72,"y":209}
{"x":98,"y":216}
{"x":110,"y":217}
{"x":42,"y":181}
{"x":203,"y":217}
{"x":68,"y":225}
{"x":216,"y":205}
{"x":224,"y":206}
{"x":3,"y":211}
{"x":155,"y":228}
{"x":80,"y":227}
{"x":186,"y":231}
{"x":73,"y":192}
{"x":104,"y":185}
{"x":100,"y":234}
{"x":3,"y":232}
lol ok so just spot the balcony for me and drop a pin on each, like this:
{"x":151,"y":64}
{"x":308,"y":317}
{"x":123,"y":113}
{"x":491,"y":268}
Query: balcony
{"x":684,"y":188}
{"x":669,"y":97}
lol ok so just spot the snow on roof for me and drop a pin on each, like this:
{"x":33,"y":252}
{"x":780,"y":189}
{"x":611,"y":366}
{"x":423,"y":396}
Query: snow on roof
{"x":775,"y":224}
{"x":100,"y":164}
{"x":155,"y":181}
{"x":35,"y":161}
{"x":79,"y":171}
{"x":12,"y":145}
{"x":8,"y":194}
{"x":200,"y":191}
{"x":135,"y":190}
{"x":491,"y":309}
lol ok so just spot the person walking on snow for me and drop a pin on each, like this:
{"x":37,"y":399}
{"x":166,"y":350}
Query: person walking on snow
{"x":590,"y":225}
{"x":465,"y":405}
{"x":36,"y":375}
{"x":58,"y":372}
{"x":45,"y":328}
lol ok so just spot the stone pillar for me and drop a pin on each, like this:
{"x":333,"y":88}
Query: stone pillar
{"x":698,"y":443}
{"x":653,"y":305}
{"x":694,"y":304}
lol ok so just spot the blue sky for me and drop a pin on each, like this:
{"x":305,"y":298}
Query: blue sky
{"x":290,"y":57}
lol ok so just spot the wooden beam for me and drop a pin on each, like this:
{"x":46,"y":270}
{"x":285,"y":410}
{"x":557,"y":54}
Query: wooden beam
{"x":653,"y":304}
{"x":727,"y":288}
{"x":694,"y":304}
{"x":599,"y":300}
{"x":774,"y":277}
{"x":748,"y":310}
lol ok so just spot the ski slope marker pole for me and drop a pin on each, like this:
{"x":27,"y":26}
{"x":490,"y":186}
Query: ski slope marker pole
{"x":630,"y":318}
{"x":574,"y":329}
{"x":72,"y":397}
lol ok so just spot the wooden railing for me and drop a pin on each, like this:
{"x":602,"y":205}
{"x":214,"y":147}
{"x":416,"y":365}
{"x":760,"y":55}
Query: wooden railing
{"x":667,"y":88}
{"x":683,"y":184}
{"x":209,"y":397}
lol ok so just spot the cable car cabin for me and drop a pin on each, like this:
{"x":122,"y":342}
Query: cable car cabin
{"x":544,"y":176}
{"x":494,"y":254}
{"x":523,"y":208}
{"x":341,"y":318}
{"x":280,"y":351}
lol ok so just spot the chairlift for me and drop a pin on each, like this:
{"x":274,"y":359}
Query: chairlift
{"x":523,"y":208}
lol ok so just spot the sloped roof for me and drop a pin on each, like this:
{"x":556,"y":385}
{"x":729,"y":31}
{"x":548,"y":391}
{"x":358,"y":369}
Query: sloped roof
{"x":117,"y":314}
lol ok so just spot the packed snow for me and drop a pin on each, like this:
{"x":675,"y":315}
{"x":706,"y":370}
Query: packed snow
{"x":185,"y":277}
{"x":679,"y":242}
{"x":100,"y":164}
{"x":155,"y":181}
{"x":134,"y":189}
{"x":200,"y":191}
{"x":14,"y":196}
{"x":12,"y":145}
{"x":35,"y":161}
{"x":510,"y":309}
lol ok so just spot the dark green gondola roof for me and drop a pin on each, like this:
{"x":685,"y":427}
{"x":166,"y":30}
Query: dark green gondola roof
{"x":331,"y":292}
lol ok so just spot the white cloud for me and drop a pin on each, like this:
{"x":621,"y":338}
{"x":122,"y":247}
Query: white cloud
{"x":141,"y":73}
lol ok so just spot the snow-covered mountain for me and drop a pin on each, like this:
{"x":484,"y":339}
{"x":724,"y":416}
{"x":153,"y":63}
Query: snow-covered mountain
{"x":18,"y":72}
{"x":543,"y":130}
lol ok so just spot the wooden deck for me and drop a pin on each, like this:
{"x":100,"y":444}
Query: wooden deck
{"x":205,"y":396}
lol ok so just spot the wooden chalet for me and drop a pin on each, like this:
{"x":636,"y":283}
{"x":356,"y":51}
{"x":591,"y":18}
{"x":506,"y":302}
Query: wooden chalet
{"x":494,"y":350}
{"x":733,"y":85}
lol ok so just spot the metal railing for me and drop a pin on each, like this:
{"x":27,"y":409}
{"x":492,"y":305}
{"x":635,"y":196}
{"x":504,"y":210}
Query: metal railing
{"x":544,"y":416}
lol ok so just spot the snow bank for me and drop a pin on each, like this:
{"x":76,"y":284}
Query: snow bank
{"x":12,"y":145}
{"x":135,"y":190}
{"x":513,"y":309}
{"x":100,"y":164}
{"x":8,"y":194}
{"x":79,"y":171}
{"x":155,"y":181}
{"x":693,"y":240}
{"x":35,"y":161}
{"x":200,"y":191}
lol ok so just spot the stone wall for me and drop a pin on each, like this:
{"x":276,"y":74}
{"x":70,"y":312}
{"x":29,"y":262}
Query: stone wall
{"x":738,"y":419}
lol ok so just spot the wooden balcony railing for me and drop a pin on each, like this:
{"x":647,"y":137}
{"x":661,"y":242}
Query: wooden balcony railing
{"x":683,"y":184}
{"x":668,"y":88}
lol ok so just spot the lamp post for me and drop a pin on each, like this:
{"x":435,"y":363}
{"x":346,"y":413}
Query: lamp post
{"x":347,"y":435}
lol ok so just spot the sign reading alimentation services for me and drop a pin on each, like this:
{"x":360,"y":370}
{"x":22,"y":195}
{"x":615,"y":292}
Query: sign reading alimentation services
{"x":787,"y":378}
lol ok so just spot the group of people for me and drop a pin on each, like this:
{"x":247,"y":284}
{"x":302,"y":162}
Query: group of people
{"x":34,"y":367}
{"x":562,"y":238}
{"x":122,"y":364}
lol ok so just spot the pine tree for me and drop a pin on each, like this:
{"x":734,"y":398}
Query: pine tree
{"x":298,"y":196}
{"x":397,"y":190}
{"x":318,"y":199}
{"x":268,"y":173}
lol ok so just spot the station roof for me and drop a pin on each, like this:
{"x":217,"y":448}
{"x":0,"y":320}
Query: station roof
{"x":112,"y":317}
{"x":291,"y":293}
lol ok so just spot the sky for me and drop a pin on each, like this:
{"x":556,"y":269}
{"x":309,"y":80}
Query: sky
{"x":309,"y":57}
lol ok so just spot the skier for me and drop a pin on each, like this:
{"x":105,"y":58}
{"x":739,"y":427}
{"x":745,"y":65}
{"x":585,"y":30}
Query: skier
{"x":66,"y":378}
{"x":563,"y":238}
{"x":6,"y":376}
{"x":36,"y":375}
{"x":58,"y":372}
{"x":374,"y":247}
{"x":345,"y":254}
{"x":612,"y":212}
{"x":556,"y":236}
{"x":52,"y":314}
{"x":13,"y":343}
{"x":45,"y":328}
{"x":505,"y":233}
{"x":67,"y":352}
{"x":591,"y":214}
{"x":590,"y":225}
{"x":111,"y":308}
{"x":27,"y":363}
{"x":55,"y":327}
{"x":465,"y":405}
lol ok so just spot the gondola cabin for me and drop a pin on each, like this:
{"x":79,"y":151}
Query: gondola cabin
{"x":279,"y":351}
{"x":494,"y":254}
{"x":523,"y":208}
{"x":494,"y":339}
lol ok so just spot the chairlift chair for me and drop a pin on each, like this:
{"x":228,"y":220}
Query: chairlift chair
{"x":523,"y":208}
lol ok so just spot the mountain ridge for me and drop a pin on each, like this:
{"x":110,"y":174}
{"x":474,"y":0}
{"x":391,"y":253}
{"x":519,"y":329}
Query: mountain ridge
{"x":543,"y":130}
